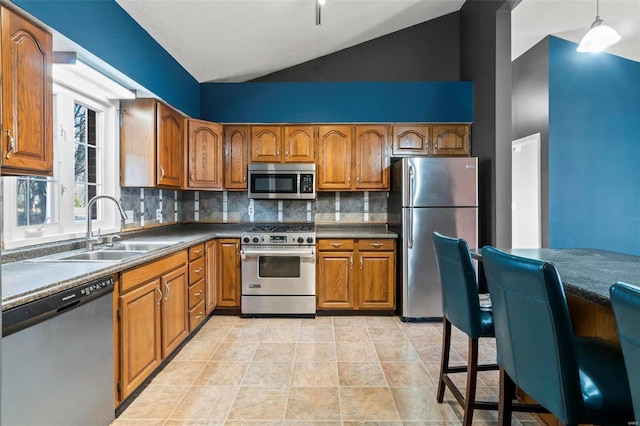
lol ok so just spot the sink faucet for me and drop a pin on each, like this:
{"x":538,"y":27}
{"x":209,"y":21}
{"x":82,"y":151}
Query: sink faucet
{"x":90,"y":240}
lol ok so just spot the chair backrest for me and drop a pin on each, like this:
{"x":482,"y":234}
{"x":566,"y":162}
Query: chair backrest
{"x":534,"y":336}
{"x":460,"y":301}
{"x":625,"y":300}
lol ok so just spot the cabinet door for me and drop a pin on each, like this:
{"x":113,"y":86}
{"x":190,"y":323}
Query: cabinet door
{"x":372,"y":158}
{"x":299,"y":144}
{"x":175,"y":313}
{"x":27,"y":97}
{"x":210,"y":277}
{"x":204,"y":155}
{"x":411,"y":140}
{"x":451,"y":140}
{"x":334,"y":282}
{"x":138,"y":142}
{"x":376,"y":280}
{"x":228,"y":277}
{"x":236,"y":145}
{"x":265,"y":144}
{"x":333,"y":165}
{"x":140,"y":337}
{"x":170,"y":134}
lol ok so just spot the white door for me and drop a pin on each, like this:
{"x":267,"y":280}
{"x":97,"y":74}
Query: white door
{"x":525,"y":192}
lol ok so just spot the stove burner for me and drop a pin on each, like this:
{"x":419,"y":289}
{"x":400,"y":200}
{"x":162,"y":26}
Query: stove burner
{"x":295,"y":227}
{"x":263,"y":228}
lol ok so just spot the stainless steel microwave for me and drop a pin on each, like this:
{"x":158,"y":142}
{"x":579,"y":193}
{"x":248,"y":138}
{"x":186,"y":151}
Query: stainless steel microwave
{"x":278,"y":181}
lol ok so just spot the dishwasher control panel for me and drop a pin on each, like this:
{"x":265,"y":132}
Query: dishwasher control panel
{"x":23,"y":316}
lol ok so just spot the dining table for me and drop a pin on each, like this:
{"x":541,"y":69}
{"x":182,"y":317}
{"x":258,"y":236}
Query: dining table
{"x":586,"y":275}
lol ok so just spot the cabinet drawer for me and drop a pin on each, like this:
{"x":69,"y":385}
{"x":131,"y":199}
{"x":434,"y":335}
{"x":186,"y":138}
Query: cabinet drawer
{"x":196,"y":293}
{"x":335,"y":244}
{"x":372,"y":245}
{"x":196,"y":316}
{"x":196,"y":270}
{"x":196,"y":252}
{"x":132,"y":278}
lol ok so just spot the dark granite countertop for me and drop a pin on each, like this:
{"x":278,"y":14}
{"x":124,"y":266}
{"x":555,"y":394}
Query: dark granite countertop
{"x":587,"y":273}
{"x":354,"y":230}
{"x":25,"y":279}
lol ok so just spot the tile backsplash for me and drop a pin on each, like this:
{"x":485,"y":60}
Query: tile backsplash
{"x":234,"y":207}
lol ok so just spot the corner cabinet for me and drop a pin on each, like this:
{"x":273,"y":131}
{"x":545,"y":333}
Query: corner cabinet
{"x":27,"y":97}
{"x":343,"y":165}
{"x":236,"y":157}
{"x":356,"y":274}
{"x":204,"y":155}
{"x":151,"y":144}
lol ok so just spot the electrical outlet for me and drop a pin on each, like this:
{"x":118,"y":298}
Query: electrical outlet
{"x":158,"y":214}
{"x":250,"y":209}
{"x":129,"y":218}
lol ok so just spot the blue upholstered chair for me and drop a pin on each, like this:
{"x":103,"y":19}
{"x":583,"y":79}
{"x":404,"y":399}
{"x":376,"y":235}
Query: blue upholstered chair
{"x":625,"y":300}
{"x":461,"y":307}
{"x":578,"y":379}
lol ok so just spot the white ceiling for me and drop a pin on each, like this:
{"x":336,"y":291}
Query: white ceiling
{"x":532,"y":20}
{"x":239,"y":40}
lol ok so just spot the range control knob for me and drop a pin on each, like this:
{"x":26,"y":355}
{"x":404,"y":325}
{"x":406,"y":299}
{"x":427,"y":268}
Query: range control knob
{"x":309,"y":240}
{"x":300,"y":240}
{"x":256,"y":239}
{"x":246,"y":240}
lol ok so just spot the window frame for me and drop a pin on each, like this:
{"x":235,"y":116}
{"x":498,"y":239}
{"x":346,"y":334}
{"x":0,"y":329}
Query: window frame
{"x":108,"y":143}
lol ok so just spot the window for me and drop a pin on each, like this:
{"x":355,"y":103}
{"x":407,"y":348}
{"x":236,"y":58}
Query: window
{"x":40,"y":209}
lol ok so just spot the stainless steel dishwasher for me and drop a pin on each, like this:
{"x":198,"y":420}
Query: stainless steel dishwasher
{"x":57,"y":359}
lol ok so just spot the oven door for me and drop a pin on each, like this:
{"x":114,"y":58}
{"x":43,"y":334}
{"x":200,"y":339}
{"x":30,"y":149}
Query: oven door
{"x":278,"y":271}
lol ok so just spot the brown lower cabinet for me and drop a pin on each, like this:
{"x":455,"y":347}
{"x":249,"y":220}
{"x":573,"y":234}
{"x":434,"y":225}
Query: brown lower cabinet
{"x":152,"y":317}
{"x":228,"y":273}
{"x":356,"y":274}
{"x":210,"y":279}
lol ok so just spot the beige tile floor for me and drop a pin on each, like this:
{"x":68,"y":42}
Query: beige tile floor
{"x":323,"y":371}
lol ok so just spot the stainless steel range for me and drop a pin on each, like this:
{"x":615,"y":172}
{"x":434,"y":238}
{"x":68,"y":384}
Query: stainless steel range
{"x":279,"y":270}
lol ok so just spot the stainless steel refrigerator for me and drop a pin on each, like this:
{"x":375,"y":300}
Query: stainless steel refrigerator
{"x":427,"y":195}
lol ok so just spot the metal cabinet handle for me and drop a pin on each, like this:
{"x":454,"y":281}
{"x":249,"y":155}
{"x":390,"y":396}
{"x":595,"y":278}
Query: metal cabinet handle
{"x":351,"y":261}
{"x":12,"y":144}
{"x":349,"y":180}
{"x":436,"y":146}
{"x":286,"y":153}
{"x":277,"y":153}
{"x":358,"y":180}
{"x":244,"y":178}
{"x":197,"y":251}
{"x":160,"y":299}
{"x":336,"y":245}
{"x":376,"y":245}
{"x":161,"y":172}
{"x":361,"y":262}
{"x":198,"y":293}
{"x":197,"y":271}
{"x":166,"y":296}
{"x":199,"y":315}
{"x":237,"y":248}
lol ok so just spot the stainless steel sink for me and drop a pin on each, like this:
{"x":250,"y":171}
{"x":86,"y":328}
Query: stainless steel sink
{"x":100,"y":256}
{"x":138,"y":246}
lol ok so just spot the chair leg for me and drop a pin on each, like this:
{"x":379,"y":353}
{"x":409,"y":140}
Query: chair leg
{"x":444,"y":359}
{"x":472,"y":379}
{"x":507,"y":394}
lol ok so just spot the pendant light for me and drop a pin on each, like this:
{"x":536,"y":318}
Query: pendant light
{"x":599,"y":37}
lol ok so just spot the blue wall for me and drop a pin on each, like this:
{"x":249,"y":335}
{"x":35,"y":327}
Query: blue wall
{"x":106,"y":30}
{"x":337,"y":102}
{"x":594,"y":150}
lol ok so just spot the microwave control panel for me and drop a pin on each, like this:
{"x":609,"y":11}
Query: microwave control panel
{"x":306,"y":183}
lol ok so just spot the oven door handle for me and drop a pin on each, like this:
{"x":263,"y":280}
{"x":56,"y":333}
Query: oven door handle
{"x":256,"y":253}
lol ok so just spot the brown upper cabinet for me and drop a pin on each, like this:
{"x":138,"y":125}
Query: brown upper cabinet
{"x":371,"y":158}
{"x":204,"y":155}
{"x":344,"y":165}
{"x":282,"y":144}
{"x":27,"y":97}
{"x":451,"y":139}
{"x":411,"y":140}
{"x":151,"y":144}
{"x":236,"y":157}
{"x":433,"y":139}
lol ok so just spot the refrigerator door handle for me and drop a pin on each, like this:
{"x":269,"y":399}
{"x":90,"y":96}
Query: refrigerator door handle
{"x":411,"y":183}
